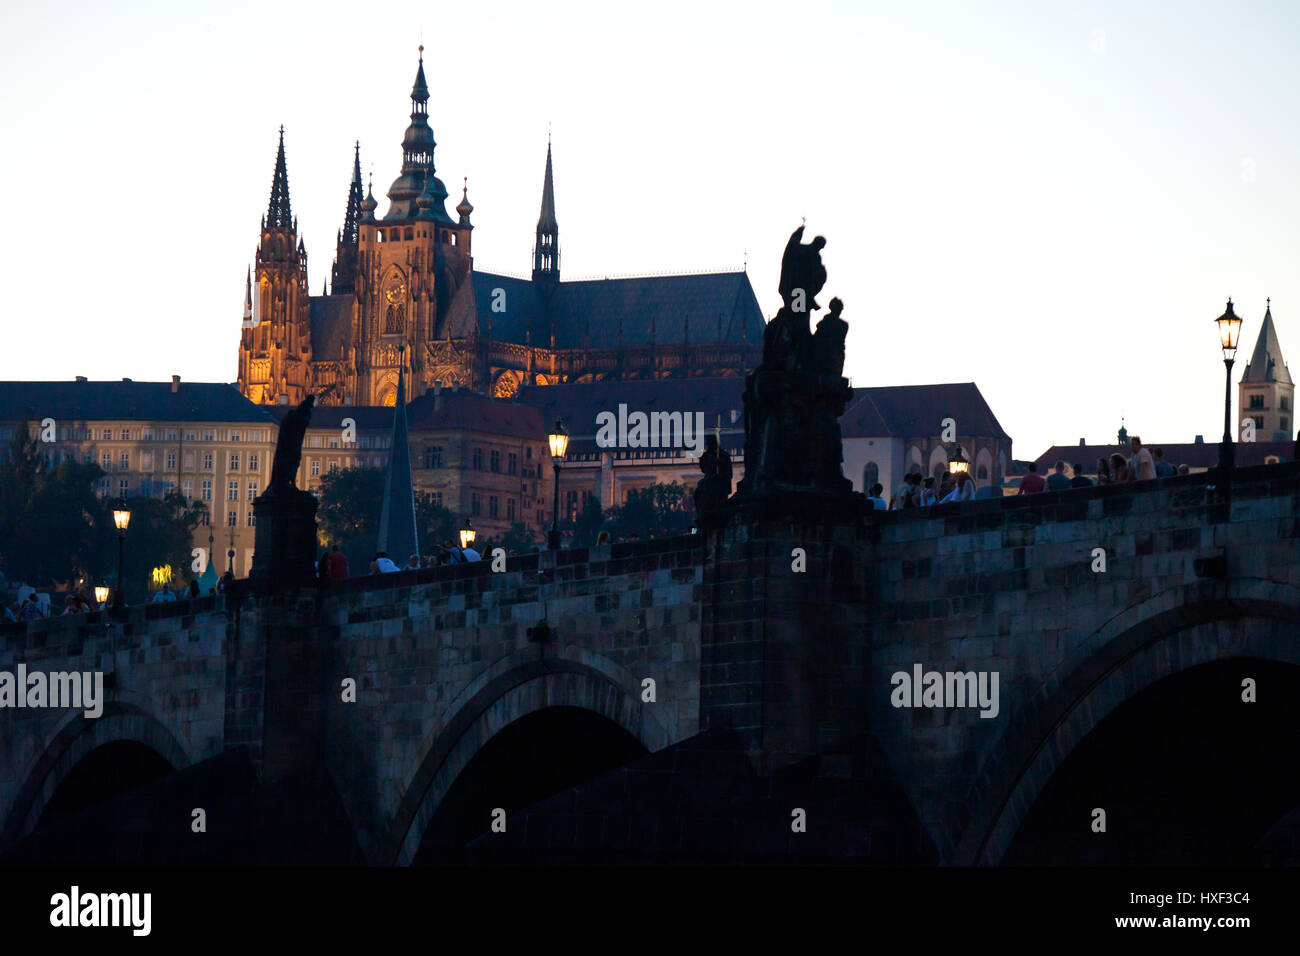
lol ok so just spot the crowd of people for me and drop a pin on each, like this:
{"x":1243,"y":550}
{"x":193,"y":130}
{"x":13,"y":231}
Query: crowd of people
{"x":1143,"y":464}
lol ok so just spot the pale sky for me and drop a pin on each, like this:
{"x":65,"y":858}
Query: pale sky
{"x":1052,"y":200}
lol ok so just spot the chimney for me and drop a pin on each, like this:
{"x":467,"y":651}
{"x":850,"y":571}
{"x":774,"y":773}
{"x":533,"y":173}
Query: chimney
{"x":1082,"y":443}
{"x":176,"y":384}
{"x":81,"y":378}
{"x":1200,"y":439}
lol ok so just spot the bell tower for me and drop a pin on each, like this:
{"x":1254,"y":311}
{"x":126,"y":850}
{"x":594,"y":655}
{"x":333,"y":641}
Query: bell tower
{"x":275,"y":339}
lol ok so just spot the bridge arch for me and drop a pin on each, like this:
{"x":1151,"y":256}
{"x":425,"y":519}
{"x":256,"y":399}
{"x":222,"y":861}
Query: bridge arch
{"x":515,"y":688}
{"x":1167,"y":635}
{"x":75,"y":738}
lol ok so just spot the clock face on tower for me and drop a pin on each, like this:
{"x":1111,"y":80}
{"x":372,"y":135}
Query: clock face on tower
{"x":395,"y":290}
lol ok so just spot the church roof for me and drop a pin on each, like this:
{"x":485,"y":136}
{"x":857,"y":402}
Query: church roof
{"x":666,"y":305}
{"x":1266,"y":362}
{"x":915,"y":411}
{"x":464,"y":410}
{"x":330,"y":319}
{"x":127,"y":401}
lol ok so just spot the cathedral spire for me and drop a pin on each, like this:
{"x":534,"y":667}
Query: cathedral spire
{"x":1266,"y":362}
{"x":248,"y":297}
{"x":397,"y":534}
{"x":345,"y":256}
{"x":546,"y":252}
{"x":417,"y":176}
{"x":278,"y":214}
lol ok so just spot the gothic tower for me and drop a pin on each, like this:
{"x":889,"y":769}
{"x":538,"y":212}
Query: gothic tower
{"x":546,"y":251}
{"x":410,"y":265}
{"x":345,"y":257}
{"x":275,"y":342}
{"x":1266,"y":392}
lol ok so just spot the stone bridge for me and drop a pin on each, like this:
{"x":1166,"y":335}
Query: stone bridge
{"x":1154,"y":686}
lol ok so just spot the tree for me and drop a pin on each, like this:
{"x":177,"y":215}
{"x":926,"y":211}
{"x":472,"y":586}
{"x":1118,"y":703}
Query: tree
{"x":519,"y":539}
{"x":660,"y":510}
{"x":350,"y":504}
{"x":434,"y":523}
{"x":584,"y":530}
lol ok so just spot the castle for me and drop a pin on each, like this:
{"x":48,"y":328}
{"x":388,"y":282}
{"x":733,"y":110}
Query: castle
{"x":403,"y":290}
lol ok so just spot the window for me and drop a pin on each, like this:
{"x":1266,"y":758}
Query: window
{"x":436,"y":497}
{"x":207,"y":461}
{"x":494,"y":461}
{"x":146,"y":487}
{"x":208,"y":435}
{"x":207,"y":489}
{"x":252,"y":518}
{"x":105,"y":486}
{"x":252,"y":462}
{"x":124,"y":462}
{"x":433,"y":456}
{"x":171,"y":434}
{"x":528,"y":453}
{"x":334,"y":443}
{"x":1284,"y":424}
{"x":252,"y":490}
{"x":106,"y":461}
{"x":232,"y":491}
{"x":493,"y":508}
{"x":1284,"y":403}
{"x":189,"y":435}
{"x":512,"y":463}
{"x":171,"y":461}
{"x":1259,"y":421}
{"x":1257,"y":401}
{"x":147,"y":435}
{"x":475,"y":505}
{"x":231,"y":519}
{"x":334,"y":467}
{"x":478,"y":459}
{"x":983,"y":473}
{"x":123,"y":487}
{"x":510,"y":509}
{"x":315,"y":468}
{"x":126,"y":434}
{"x":108,"y":434}
{"x":234,"y":463}
{"x":315,"y":442}
{"x":234,"y":436}
{"x":571,"y":505}
{"x":870,"y":475}
{"x":187,"y":488}
{"x":203,"y":518}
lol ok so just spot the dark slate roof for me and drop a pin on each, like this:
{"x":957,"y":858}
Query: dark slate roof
{"x":915,"y":411}
{"x":578,"y":404}
{"x":1191,"y":454}
{"x":331,"y":326}
{"x":464,"y":410}
{"x":367,"y":417}
{"x":127,"y":400}
{"x":668,"y":303}
{"x":1266,"y":362}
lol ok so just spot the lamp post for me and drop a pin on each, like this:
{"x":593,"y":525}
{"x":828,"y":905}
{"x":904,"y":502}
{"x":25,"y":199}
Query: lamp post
{"x":958,"y":464}
{"x":121,"y":521}
{"x":101,"y":597}
{"x":559,"y":442}
{"x":1229,"y":325}
{"x":467,"y":534}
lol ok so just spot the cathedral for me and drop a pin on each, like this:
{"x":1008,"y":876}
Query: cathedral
{"x":404,"y":292}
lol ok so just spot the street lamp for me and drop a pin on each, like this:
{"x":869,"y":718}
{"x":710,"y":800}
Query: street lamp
{"x":559,"y":442}
{"x":122,"y":521}
{"x":1229,"y":330}
{"x":101,"y":596}
{"x":467,"y":534}
{"x":958,"y":464}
